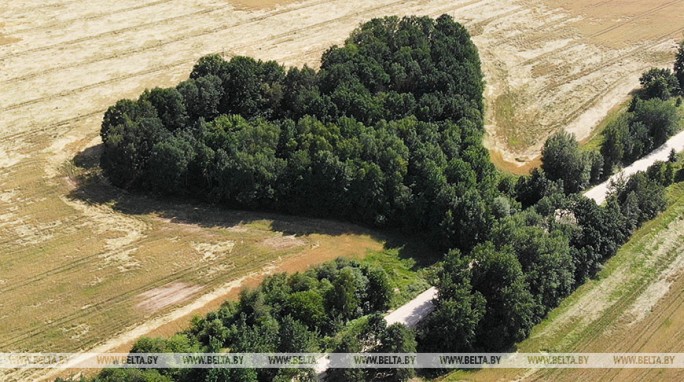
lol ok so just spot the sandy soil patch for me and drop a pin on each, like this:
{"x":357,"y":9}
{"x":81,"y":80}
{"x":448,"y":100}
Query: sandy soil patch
{"x":6,"y":39}
{"x":211,"y":252}
{"x":283,"y":242}
{"x":258,"y":4}
{"x":167,"y":295}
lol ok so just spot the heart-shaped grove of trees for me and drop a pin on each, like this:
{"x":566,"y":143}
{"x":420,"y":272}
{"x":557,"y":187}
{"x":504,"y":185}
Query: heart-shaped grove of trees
{"x":387,"y":133}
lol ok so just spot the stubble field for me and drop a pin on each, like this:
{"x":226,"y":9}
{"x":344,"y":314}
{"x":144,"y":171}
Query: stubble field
{"x":82,"y":264}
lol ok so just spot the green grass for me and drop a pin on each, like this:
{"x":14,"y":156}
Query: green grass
{"x":594,"y":142}
{"x":516,"y":130}
{"x":407,"y":277}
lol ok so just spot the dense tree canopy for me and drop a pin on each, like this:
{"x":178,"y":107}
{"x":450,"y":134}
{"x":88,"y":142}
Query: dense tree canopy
{"x":659,"y":83}
{"x":562,"y":159}
{"x":638,"y":132}
{"x":679,"y":66}
{"x":510,"y":307}
{"x":453,"y":326}
{"x":387,"y":133}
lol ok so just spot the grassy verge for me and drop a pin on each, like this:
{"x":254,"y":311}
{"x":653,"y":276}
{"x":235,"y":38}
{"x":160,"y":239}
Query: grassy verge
{"x":515,"y":127}
{"x":408,"y":278}
{"x":595,"y":140}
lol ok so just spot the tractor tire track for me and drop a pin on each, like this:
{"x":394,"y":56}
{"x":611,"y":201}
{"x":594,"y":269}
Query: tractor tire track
{"x":600,"y":33}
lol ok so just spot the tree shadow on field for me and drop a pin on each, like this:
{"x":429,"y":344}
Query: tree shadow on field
{"x":93,"y":188}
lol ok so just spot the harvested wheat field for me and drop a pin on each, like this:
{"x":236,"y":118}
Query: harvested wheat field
{"x":79,"y":259}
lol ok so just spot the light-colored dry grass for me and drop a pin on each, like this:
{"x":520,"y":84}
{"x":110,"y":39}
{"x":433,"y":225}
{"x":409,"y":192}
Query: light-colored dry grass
{"x":118,"y":266}
{"x":554,"y":65}
{"x":283,"y":242}
{"x":259,"y":4}
{"x":163,"y":296}
{"x":620,"y":23}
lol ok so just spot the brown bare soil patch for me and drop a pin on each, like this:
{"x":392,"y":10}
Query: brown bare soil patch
{"x":517,"y":167}
{"x":4,"y":40}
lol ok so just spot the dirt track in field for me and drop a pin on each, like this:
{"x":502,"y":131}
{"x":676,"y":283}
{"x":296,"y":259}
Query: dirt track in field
{"x":65,"y":255}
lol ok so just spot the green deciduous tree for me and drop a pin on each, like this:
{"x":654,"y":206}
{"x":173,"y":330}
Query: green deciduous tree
{"x":679,"y":66}
{"x":128,"y":146}
{"x":308,"y":307}
{"x":202,"y":97}
{"x":510,"y":307}
{"x":396,"y":338}
{"x":561,"y":159}
{"x":169,"y":161}
{"x":659,"y":83}
{"x":295,"y":337}
{"x":660,"y":118}
{"x":544,"y":256}
{"x":616,"y":143}
{"x":342,"y":300}
{"x":453,"y":325}
{"x":170,"y":107}
{"x":379,"y":290}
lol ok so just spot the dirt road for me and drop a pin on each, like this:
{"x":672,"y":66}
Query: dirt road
{"x":413,"y":311}
{"x":408,"y":314}
{"x":676,"y":143}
